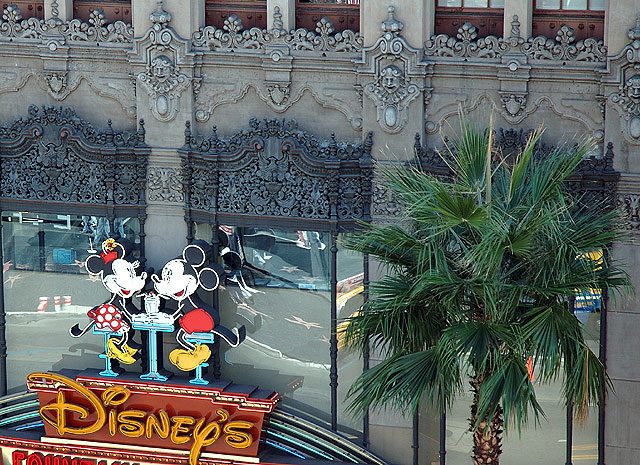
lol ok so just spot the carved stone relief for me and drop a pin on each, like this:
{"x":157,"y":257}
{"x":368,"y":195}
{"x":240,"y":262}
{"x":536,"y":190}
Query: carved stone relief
{"x":393,"y":68}
{"x":164,"y":185}
{"x":279,"y":93}
{"x":232,"y":36}
{"x":630,"y":206}
{"x":54,"y":156}
{"x":57,"y":83}
{"x":385,"y":203}
{"x":391,"y":92}
{"x":565,"y":110}
{"x":220,"y":93}
{"x":514,"y":103}
{"x":467,"y":44}
{"x":627,"y":98}
{"x":164,"y":84}
{"x":118,"y":88}
{"x":162,"y":80}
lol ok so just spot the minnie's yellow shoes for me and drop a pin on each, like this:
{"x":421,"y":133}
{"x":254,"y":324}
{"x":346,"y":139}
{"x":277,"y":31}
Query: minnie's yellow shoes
{"x":125,"y":355}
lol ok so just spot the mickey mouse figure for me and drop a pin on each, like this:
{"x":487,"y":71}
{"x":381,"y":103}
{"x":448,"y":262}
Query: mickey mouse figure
{"x":114,"y":316}
{"x":179,"y":281}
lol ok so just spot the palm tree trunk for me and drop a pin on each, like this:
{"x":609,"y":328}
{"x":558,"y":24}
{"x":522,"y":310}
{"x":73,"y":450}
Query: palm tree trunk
{"x":487,"y":437}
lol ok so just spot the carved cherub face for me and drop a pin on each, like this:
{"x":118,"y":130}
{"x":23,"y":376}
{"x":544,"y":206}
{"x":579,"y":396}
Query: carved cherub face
{"x":161,"y":68}
{"x":633,"y":87}
{"x":390,"y":78}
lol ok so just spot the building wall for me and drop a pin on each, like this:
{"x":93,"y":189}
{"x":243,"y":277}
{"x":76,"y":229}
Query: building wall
{"x":394,"y":79}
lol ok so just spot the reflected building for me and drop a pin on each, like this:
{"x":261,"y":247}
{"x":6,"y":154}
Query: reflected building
{"x":256,"y":125}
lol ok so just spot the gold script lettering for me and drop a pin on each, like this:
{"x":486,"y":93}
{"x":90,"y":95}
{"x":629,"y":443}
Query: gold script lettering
{"x":61,"y":407}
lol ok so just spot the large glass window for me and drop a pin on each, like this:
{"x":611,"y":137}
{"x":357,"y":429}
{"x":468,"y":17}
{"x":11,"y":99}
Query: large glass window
{"x":282,"y":294}
{"x":546,"y":442}
{"x":47,"y":289}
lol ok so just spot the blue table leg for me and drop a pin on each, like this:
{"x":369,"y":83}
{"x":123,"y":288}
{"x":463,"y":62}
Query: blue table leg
{"x":153,"y":359}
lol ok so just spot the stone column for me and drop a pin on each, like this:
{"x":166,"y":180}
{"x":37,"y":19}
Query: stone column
{"x":165,"y":81}
{"x":187,"y":17}
{"x":287,"y":11}
{"x":429,"y":18}
{"x":140,"y":11}
{"x":620,"y":15}
{"x":415,"y":14}
{"x":523,"y":9}
{"x":61,"y":9}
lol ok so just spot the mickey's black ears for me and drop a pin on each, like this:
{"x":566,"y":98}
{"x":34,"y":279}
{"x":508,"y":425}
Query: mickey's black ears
{"x":126,"y":246}
{"x":210,"y":277}
{"x":95,"y":264}
{"x":232,"y":260}
{"x":196,"y":253}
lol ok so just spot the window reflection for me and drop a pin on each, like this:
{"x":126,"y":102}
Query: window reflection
{"x":47,"y":289}
{"x":279,"y":287}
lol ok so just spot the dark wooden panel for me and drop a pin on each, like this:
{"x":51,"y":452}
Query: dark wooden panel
{"x":342,"y":16}
{"x":585,"y":24}
{"x":251,"y":13}
{"x":28,"y":9}
{"x":114,"y":10}
{"x":487,"y":21}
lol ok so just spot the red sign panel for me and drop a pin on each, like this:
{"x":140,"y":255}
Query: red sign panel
{"x":162,"y":416}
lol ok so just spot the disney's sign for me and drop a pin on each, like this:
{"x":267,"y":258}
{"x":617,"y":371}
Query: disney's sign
{"x":198,"y":419}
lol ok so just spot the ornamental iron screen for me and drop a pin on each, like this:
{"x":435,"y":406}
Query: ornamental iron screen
{"x":275,"y":171}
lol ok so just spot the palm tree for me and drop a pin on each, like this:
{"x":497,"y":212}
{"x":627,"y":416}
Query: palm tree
{"x":481,"y":275}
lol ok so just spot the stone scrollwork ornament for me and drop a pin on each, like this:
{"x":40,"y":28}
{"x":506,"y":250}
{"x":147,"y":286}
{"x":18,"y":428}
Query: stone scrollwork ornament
{"x":164,"y":84}
{"x":514,"y":102}
{"x":392,"y":68}
{"x":391,"y":92}
{"x":163,"y":50}
{"x":627,"y":97}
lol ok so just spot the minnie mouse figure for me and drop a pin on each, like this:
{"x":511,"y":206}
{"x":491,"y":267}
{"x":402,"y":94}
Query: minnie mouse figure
{"x":180,"y":278}
{"x":114,"y":316}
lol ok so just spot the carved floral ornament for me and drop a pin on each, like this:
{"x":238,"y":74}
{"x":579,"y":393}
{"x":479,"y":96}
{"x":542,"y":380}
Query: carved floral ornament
{"x":232,"y":36}
{"x":95,"y":30}
{"x":563,"y":47}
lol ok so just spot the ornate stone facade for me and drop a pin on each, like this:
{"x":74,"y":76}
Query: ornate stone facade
{"x":307,"y":158}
